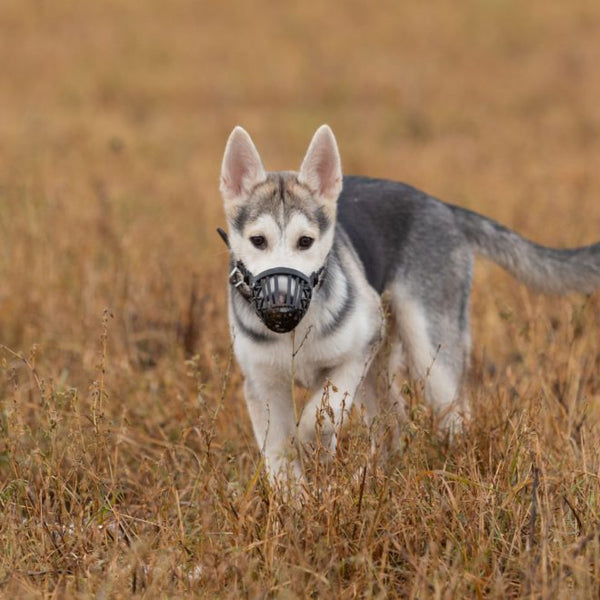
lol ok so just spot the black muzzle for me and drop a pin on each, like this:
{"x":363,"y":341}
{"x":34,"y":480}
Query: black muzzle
{"x":280,"y":296}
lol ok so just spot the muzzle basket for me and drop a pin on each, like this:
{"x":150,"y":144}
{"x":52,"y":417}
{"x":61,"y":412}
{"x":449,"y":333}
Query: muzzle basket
{"x":281,"y":297}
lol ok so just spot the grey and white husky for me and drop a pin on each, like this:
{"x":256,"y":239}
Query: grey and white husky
{"x":312,"y":252}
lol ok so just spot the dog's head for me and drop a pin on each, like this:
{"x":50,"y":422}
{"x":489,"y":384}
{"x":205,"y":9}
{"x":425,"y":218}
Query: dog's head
{"x":281,"y":223}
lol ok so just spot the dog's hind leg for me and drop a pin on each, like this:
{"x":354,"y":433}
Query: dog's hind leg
{"x":438,"y":349}
{"x":382,"y":404}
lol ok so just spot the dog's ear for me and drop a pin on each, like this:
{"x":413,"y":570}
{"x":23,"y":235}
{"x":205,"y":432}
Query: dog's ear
{"x":321,"y":168}
{"x":242,"y":167}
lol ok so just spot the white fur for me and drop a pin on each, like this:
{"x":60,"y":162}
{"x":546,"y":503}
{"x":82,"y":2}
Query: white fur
{"x":281,"y":248}
{"x":346,"y":354}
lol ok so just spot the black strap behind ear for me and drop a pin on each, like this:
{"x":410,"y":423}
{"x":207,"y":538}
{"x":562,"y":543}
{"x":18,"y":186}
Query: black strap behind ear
{"x":224,"y":236}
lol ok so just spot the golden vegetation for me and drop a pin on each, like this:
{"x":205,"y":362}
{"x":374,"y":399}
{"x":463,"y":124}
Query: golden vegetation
{"x":127,"y":463}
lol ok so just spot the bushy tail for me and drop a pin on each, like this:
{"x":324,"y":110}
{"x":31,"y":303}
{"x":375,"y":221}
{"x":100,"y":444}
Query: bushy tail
{"x":551,"y":270}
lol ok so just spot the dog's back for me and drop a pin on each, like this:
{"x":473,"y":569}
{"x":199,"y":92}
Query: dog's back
{"x":399,"y":230}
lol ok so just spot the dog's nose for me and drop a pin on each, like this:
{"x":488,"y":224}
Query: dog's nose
{"x":281,"y":299}
{"x":283,"y":290}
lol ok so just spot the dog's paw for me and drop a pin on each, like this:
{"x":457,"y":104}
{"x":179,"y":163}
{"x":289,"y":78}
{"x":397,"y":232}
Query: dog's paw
{"x":452,"y":423}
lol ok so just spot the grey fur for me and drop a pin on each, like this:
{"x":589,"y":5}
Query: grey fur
{"x":280,"y":194}
{"x":406,"y":237}
{"x":402,"y":232}
{"x":550,"y":270}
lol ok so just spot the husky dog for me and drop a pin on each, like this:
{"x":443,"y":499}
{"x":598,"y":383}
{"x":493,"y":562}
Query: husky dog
{"x":311,"y":253}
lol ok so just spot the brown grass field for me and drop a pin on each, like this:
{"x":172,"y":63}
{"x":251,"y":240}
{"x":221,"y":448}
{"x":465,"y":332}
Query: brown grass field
{"x":127,"y":462}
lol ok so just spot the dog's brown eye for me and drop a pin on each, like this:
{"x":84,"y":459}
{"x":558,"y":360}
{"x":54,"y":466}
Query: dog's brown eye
{"x":305,"y":242}
{"x":259,"y":241}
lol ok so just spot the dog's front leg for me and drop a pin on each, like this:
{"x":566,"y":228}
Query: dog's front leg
{"x":271,"y":412}
{"x":326,"y":410}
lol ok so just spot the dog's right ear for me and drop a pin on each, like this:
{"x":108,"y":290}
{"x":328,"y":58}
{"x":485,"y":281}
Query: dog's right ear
{"x":242,"y":167}
{"x":321,"y":169}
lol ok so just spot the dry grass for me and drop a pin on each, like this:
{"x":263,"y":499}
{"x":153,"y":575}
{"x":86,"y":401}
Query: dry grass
{"x":127,"y":464}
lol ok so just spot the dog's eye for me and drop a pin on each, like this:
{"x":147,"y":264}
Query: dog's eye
{"x":259,"y":241}
{"x":305,"y":242}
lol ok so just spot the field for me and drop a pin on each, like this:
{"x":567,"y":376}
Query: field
{"x":127,"y":462}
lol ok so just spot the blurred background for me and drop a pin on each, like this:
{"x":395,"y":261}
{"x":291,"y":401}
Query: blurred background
{"x":114,"y":115}
{"x":116,"y":371}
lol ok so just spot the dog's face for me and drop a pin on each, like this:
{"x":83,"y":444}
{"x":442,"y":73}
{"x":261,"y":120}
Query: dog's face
{"x":282,"y":219}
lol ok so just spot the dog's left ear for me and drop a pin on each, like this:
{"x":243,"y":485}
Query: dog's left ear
{"x":321,"y":169}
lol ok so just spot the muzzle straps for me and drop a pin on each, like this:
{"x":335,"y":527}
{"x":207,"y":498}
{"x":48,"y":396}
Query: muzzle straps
{"x":239,"y":277}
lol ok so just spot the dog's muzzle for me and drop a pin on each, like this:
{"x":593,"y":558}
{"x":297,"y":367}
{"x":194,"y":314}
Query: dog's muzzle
{"x":280,"y":296}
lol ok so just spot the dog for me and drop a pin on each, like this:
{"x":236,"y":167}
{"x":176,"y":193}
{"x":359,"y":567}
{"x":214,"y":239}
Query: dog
{"x":311,"y":255}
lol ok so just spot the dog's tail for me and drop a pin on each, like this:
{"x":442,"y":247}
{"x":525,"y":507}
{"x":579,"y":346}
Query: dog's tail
{"x":550,"y":270}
